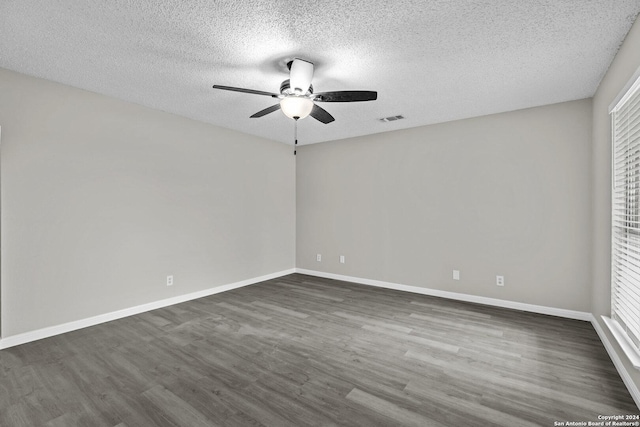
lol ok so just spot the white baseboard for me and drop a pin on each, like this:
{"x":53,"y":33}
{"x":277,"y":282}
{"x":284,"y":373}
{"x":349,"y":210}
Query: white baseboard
{"x":39,"y":334}
{"x":560,"y":312}
{"x":622,"y":370}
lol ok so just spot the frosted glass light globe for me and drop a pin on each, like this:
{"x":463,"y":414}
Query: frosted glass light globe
{"x":296,"y":106}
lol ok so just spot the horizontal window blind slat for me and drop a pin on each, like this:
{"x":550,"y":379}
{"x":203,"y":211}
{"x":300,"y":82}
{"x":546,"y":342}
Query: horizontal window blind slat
{"x":628,"y":111}
{"x":624,"y":284}
{"x":627,"y":140}
{"x":624,"y":304}
{"x":628,"y":293}
{"x":626,"y":123}
{"x":631,"y":325}
{"x":624,"y":310}
{"x":627,"y":267}
{"x":626,"y":261}
{"x":628,"y":104}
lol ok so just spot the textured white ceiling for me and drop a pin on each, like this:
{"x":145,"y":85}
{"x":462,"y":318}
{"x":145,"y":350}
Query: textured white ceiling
{"x":431,"y":61}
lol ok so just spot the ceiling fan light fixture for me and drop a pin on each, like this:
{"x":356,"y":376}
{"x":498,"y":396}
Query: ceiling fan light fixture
{"x":296,"y":106}
{"x":297,"y":98}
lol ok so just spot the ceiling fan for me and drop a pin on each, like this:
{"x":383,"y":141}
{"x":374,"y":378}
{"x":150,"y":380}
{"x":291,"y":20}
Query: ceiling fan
{"x":296,"y":96}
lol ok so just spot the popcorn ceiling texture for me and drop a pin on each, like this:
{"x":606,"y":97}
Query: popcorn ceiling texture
{"x":431,"y":61}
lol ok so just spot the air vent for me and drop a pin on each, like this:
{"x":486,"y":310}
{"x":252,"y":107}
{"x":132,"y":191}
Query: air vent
{"x":391,"y":118}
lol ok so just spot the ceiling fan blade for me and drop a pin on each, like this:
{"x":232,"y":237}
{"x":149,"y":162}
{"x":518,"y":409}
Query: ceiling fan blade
{"x":321,"y":114}
{"x":346,"y":96}
{"x":266,"y":111}
{"x":239,"y":89}
{"x":300,"y":75}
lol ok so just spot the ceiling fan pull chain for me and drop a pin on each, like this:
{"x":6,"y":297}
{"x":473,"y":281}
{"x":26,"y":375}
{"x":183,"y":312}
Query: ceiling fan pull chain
{"x":295,"y":134}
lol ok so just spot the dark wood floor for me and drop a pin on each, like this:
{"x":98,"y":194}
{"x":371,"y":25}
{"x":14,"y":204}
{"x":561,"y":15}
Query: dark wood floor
{"x":300,"y":350}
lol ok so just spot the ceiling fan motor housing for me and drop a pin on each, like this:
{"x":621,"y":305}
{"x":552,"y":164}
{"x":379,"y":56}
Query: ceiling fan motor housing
{"x":285,"y":88}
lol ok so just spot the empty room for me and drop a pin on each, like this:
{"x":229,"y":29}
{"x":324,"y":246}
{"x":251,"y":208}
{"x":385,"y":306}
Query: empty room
{"x":274,"y":213}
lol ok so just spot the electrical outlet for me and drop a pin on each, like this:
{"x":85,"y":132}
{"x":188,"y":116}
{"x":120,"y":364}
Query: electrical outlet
{"x":500,"y":280}
{"x":170,"y":280}
{"x":319,"y":257}
{"x":341,"y":259}
{"x":456,"y":274}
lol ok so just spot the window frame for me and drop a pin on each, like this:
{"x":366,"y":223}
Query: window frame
{"x":630,"y":230}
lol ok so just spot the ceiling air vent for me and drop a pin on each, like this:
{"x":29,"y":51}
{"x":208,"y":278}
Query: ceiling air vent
{"x":391,"y":118}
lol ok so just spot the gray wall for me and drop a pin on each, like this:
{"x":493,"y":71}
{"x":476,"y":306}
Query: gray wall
{"x":102,"y":199}
{"x":621,"y":70}
{"x":503,"y":194}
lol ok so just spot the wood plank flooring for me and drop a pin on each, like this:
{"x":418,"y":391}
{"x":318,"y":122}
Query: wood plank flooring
{"x":300,"y":350}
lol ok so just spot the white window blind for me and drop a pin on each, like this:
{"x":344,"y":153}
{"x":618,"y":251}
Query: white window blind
{"x":625,"y":214}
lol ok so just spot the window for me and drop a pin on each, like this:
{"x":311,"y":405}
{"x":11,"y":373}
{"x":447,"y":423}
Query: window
{"x":625,"y":221}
